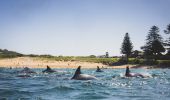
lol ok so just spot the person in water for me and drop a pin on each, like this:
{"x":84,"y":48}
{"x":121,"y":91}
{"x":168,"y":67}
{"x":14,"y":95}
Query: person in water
{"x":98,"y":69}
{"x":129,"y":74}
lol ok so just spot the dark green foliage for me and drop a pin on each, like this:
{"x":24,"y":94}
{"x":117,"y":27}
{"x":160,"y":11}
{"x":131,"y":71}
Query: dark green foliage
{"x":92,"y":56}
{"x":126,"y":46}
{"x":142,"y":61}
{"x":136,"y":54}
{"x":149,"y":62}
{"x":134,"y":61}
{"x":9,"y":54}
{"x":154,"y":44}
{"x":46,"y":56}
{"x":167,"y":31}
{"x":164,"y":63}
{"x":32,"y":55}
{"x":121,"y":61}
{"x":157,"y":47}
{"x":167,"y":41}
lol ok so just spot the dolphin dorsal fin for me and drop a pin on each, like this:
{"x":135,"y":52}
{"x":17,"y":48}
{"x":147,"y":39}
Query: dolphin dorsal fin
{"x":48,"y":68}
{"x":98,"y":68}
{"x":127,"y":71}
{"x":26,"y":69}
{"x":77,"y":72}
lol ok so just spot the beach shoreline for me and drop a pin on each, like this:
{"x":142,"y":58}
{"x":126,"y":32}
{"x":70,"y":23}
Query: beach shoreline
{"x":32,"y":62}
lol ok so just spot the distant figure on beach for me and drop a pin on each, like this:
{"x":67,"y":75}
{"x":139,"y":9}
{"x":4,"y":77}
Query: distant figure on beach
{"x":98,"y":69}
{"x":129,"y":74}
{"x":79,"y":76}
{"x":48,"y":70}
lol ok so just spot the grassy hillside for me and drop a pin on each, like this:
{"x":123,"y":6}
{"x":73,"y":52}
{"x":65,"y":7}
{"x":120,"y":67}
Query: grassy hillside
{"x":9,"y":54}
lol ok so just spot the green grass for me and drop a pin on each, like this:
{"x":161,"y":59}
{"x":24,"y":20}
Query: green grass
{"x":161,"y":63}
{"x":107,"y":61}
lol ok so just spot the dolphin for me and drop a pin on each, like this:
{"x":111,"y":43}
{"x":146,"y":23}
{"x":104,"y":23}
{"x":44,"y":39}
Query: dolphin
{"x":48,"y":70}
{"x":129,"y":74}
{"x":98,"y":69}
{"x":79,"y":76}
{"x":25,"y":72}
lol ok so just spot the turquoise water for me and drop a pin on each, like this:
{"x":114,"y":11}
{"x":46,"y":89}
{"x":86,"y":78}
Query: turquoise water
{"x":111,"y":85}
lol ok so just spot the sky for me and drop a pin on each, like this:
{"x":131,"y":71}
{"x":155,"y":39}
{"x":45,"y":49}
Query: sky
{"x":78,"y":27}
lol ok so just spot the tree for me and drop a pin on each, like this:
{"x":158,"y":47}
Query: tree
{"x":136,"y":54}
{"x":126,"y":46}
{"x":92,"y":56}
{"x":167,"y":42}
{"x":157,"y":48}
{"x":154,"y":43}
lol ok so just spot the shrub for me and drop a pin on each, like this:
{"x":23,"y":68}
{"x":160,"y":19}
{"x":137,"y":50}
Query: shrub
{"x":164,"y":63}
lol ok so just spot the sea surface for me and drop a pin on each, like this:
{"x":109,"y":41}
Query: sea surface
{"x":111,"y":85}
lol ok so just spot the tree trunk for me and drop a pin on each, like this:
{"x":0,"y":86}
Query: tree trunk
{"x":127,"y":56}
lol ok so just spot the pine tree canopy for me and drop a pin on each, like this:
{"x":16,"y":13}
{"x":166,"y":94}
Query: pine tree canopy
{"x":126,"y":45}
{"x":167,"y":41}
{"x":154,"y":42}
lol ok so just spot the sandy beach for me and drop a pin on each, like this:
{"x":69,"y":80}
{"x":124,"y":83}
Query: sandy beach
{"x":31,"y":62}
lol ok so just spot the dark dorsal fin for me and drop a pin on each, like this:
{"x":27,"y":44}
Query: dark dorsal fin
{"x":48,"y":68}
{"x":98,"y":68}
{"x":26,"y":68}
{"x":77,"y":72}
{"x":127,"y":71}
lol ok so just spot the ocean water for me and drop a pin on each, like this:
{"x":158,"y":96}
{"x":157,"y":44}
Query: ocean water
{"x":111,"y":85}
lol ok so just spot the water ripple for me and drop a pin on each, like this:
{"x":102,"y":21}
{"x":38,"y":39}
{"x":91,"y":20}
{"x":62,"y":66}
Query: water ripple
{"x":111,"y":85}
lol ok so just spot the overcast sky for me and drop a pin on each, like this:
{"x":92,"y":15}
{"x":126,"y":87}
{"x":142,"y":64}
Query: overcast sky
{"x":78,"y":27}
